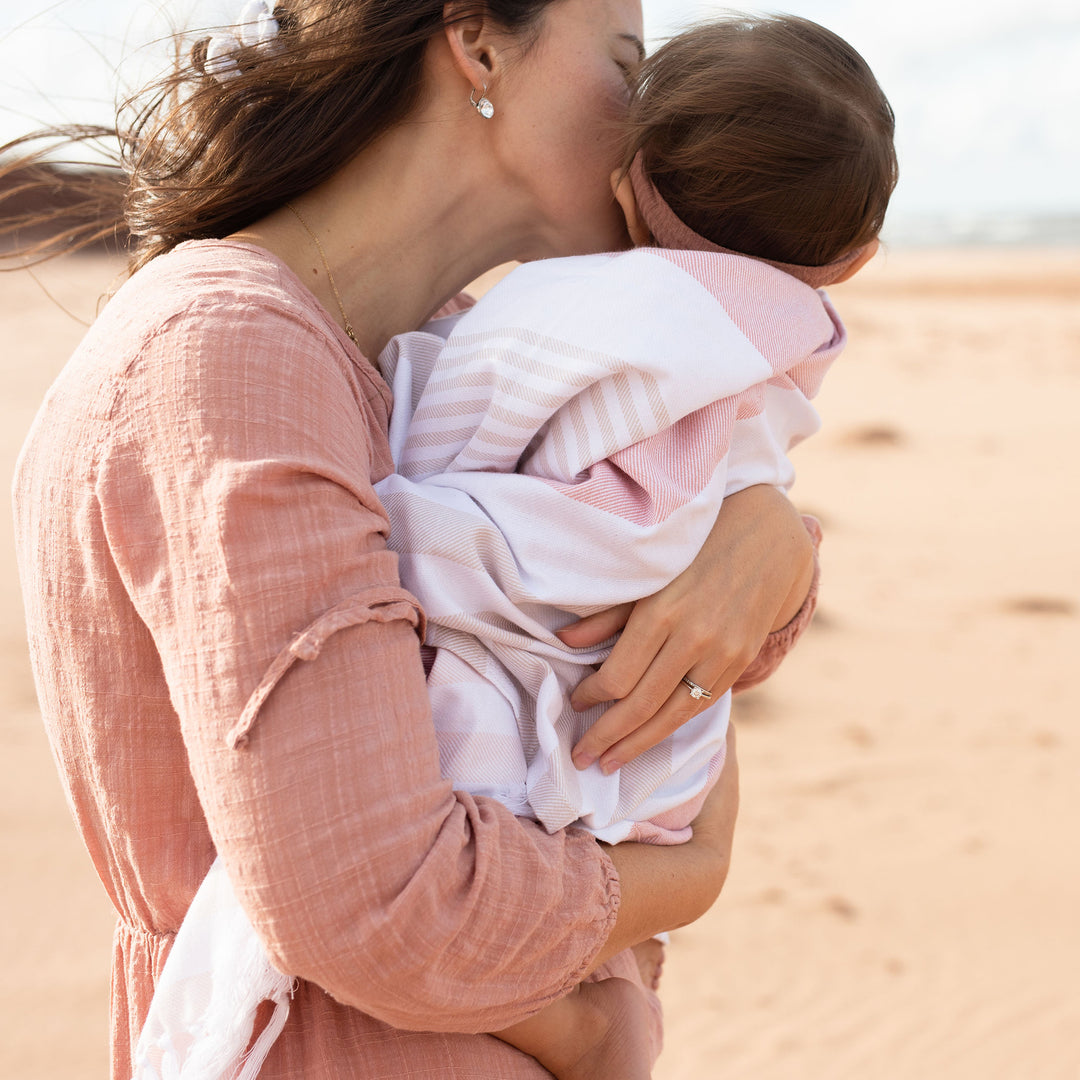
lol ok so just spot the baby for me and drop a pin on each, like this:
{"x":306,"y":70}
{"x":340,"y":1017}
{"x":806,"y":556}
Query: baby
{"x":606,"y":405}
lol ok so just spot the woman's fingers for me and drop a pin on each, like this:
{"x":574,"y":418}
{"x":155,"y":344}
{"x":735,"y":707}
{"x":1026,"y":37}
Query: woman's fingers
{"x":658,"y":704}
{"x":625,"y":669}
{"x":593,"y":629}
{"x":708,"y":624}
{"x":626,"y":738}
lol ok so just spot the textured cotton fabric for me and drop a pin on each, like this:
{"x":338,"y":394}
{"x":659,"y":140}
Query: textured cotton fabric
{"x":200,"y":546}
{"x":226,"y":661}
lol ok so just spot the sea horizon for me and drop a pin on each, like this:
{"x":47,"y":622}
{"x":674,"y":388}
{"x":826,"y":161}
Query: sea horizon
{"x":990,"y":229}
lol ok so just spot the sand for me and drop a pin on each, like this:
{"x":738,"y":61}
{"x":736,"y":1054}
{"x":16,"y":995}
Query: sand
{"x":905,"y":898}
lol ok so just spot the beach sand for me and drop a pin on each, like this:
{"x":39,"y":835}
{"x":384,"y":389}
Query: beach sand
{"x":905,"y":897}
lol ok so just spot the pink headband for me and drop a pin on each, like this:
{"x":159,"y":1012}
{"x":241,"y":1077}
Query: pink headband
{"x":669,"y":231}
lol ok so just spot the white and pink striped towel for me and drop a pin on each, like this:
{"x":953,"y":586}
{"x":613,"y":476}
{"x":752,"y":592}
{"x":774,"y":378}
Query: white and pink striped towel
{"x":563,"y":446}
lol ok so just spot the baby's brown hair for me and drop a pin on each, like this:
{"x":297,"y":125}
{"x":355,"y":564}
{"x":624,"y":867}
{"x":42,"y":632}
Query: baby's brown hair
{"x":767,"y":135}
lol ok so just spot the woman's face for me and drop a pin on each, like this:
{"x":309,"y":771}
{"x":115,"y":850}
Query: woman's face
{"x":558,"y":109}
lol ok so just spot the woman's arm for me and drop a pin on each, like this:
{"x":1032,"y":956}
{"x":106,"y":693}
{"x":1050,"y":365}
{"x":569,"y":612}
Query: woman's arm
{"x":752,"y":578}
{"x":783,"y":637}
{"x":237,"y":497}
{"x":694,"y":872}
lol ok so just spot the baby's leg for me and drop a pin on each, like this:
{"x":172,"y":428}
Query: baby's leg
{"x":599,"y":1031}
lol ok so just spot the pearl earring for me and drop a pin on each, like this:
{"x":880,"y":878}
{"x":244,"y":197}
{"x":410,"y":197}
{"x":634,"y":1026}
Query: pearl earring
{"x":483,"y":106}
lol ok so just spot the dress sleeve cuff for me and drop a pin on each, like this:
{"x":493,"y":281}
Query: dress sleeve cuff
{"x":607,"y":906}
{"x":780,"y":642}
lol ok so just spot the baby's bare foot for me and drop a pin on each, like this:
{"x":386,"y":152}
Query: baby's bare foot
{"x":650,"y":960}
{"x":600,"y":1031}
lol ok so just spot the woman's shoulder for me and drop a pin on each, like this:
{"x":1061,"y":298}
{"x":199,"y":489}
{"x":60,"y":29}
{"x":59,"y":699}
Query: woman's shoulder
{"x":218,"y":301}
{"x":204,"y":275}
{"x":209,"y":316}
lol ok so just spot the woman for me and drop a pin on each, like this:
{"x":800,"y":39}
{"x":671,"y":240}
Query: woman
{"x":225,"y":659}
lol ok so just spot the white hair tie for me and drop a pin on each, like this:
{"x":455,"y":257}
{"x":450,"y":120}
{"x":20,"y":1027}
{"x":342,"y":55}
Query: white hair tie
{"x":256,"y":28}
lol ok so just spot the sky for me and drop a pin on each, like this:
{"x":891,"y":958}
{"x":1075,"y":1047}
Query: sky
{"x":986,"y":92}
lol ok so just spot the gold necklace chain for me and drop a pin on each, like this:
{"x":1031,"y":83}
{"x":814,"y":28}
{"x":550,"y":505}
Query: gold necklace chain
{"x":329,"y":276}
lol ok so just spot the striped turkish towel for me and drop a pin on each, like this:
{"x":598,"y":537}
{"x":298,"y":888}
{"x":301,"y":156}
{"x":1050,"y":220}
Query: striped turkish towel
{"x":565,"y":446}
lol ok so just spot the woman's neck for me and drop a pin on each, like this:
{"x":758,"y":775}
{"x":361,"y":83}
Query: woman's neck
{"x":404,"y":226}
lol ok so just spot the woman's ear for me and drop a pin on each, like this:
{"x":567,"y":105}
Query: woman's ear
{"x":623,"y":190}
{"x":474,"y":47}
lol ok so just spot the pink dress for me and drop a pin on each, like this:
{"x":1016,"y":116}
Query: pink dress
{"x":226,"y":662}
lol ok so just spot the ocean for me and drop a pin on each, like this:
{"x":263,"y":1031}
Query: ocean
{"x":1040,"y":230}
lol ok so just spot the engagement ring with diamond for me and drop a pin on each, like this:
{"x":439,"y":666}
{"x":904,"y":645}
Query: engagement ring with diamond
{"x":696,"y":691}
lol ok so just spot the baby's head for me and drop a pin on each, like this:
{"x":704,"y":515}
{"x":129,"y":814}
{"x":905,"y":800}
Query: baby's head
{"x":767,"y":136}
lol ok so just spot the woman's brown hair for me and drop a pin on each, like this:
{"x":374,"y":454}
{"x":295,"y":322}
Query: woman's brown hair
{"x":204,"y":158}
{"x":769,"y":136}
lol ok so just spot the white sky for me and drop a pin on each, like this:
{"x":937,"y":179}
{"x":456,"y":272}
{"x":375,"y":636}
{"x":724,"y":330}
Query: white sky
{"x":986,"y":92}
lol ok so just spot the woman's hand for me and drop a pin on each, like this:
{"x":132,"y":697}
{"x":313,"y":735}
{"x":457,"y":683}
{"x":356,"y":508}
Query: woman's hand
{"x":749,"y":579}
{"x":664,"y":888}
